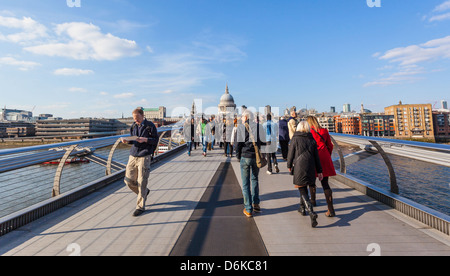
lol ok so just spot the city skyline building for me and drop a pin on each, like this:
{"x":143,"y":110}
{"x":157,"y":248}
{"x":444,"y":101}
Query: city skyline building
{"x":226,"y":105}
{"x":377,"y":125}
{"x":347,"y":124}
{"x":346,"y":108}
{"x":15,"y":115}
{"x":412,"y":120}
{"x":441,"y":124}
{"x":155,"y":113}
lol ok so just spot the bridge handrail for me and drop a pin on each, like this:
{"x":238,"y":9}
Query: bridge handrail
{"x":36,"y":154}
{"x":24,"y":216}
{"x":425,"y":145}
{"x":85,"y":142}
{"x":370,"y":141}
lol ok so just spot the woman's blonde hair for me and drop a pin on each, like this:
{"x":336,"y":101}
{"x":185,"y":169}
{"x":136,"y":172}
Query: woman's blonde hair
{"x":303,"y":126}
{"x":248,"y":114}
{"x":313,"y":122}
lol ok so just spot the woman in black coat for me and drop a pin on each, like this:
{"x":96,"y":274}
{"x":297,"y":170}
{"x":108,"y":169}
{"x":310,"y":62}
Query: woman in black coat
{"x":303,"y":159}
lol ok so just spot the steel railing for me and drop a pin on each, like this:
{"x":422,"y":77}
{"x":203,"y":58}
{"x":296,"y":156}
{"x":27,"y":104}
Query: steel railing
{"x":434,"y":153}
{"x":24,"y":160}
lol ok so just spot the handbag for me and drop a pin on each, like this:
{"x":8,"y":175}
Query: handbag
{"x":261,"y":161}
{"x":323,"y":139}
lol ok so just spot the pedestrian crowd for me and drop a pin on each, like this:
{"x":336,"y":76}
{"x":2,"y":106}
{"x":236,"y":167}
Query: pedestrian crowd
{"x":305,"y":146}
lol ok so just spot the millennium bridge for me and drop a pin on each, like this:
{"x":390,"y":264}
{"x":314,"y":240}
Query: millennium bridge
{"x":195,"y":204}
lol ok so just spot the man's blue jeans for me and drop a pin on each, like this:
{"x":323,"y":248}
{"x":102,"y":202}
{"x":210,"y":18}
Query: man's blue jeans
{"x":189,"y":147}
{"x":212,"y":141}
{"x":204,"y":143}
{"x":250,"y":185}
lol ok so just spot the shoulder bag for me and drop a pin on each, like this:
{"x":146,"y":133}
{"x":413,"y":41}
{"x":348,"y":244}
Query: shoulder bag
{"x":323,"y":139}
{"x":261,"y":162}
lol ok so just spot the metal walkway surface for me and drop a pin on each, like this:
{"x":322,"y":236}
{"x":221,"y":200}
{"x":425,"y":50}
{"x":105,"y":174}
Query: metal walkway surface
{"x":190,"y":195}
{"x":217,"y":226}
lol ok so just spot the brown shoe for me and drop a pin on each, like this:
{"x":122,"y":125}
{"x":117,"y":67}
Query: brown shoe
{"x":256,"y":208}
{"x":247,"y":214}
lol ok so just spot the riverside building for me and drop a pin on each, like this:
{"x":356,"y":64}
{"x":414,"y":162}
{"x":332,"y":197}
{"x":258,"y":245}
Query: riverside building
{"x":412,"y":120}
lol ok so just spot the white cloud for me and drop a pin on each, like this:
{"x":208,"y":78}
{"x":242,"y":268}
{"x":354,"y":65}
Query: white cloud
{"x":440,"y":17}
{"x":29,"y":29}
{"x":437,"y":13}
{"x":175,"y":73}
{"x":429,"y":51}
{"x":22,"y":65}
{"x":72,"y":72}
{"x":124,"y":96}
{"x":443,"y":7}
{"x":408,"y":59}
{"x":401,"y":75}
{"x":75,"y":40}
{"x":78,"y":90}
{"x":82,"y":41}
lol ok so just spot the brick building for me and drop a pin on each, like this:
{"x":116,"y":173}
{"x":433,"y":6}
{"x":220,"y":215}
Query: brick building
{"x":441,"y":124}
{"x":378,"y":125}
{"x":347,"y":124}
{"x":412,"y":120}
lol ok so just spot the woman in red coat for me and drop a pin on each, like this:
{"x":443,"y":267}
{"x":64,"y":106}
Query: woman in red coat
{"x":325,"y":148}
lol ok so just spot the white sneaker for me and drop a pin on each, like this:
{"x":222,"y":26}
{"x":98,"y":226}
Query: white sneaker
{"x":269,"y":173}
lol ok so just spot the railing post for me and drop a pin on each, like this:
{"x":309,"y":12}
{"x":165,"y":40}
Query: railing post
{"x":57,"y":181}
{"x":343,"y":168}
{"x":170,"y":143}
{"x":111,"y":153}
{"x":159,"y":141}
{"x":392,"y":177}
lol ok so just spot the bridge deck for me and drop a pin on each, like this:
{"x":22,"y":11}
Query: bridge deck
{"x":101,"y":224}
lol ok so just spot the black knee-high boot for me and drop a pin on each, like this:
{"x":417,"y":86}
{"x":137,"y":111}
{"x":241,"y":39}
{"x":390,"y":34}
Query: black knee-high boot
{"x":302,"y":209}
{"x":310,"y":209}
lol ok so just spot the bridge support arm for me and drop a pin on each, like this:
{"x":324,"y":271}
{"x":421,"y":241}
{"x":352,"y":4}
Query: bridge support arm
{"x":343,"y":168}
{"x":57,"y":180}
{"x":111,"y":153}
{"x":392,"y":177}
{"x":159,"y":142}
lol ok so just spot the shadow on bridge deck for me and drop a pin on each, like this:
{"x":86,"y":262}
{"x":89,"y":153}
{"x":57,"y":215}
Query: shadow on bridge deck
{"x":186,"y":190}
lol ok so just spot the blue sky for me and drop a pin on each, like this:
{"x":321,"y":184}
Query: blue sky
{"x":109,"y":56}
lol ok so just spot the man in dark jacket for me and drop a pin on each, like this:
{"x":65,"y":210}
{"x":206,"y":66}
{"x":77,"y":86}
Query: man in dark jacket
{"x":245,"y":153}
{"x":144,"y":138}
{"x":283,"y":135}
